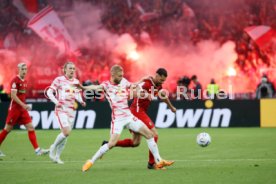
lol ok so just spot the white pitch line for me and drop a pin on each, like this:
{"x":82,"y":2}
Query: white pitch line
{"x":124,"y":161}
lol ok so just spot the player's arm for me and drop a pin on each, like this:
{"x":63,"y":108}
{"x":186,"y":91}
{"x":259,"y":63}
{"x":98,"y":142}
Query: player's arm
{"x":164,"y":97}
{"x":50,"y":93}
{"x":92,"y":87}
{"x":54,"y":88}
{"x":78,"y":97}
{"x":17,"y":100}
{"x":137,"y":91}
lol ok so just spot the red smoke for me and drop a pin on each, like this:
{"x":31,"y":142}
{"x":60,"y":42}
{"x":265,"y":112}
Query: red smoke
{"x":208,"y":59}
{"x":8,"y":67}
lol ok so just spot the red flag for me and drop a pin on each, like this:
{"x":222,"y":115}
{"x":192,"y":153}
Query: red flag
{"x":262,"y":35}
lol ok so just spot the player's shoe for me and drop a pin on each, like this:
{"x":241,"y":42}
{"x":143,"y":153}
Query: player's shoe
{"x":41,"y":151}
{"x":154,"y":167}
{"x":2,"y":154}
{"x":164,"y":163}
{"x":52,"y":154}
{"x":58,"y":161}
{"x":103,"y":143}
{"x":88,"y":164}
{"x":168,"y":162}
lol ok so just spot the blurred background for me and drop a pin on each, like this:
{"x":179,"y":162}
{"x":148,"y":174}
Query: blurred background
{"x":230,"y":43}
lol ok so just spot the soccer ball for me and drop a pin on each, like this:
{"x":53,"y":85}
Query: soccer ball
{"x":203,"y":139}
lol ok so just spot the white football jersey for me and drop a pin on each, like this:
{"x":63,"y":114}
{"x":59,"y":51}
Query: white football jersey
{"x":117,"y":95}
{"x":66,"y":92}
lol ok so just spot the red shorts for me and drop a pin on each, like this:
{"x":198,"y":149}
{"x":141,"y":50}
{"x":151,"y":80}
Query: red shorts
{"x":20,"y":117}
{"x":142,"y":115}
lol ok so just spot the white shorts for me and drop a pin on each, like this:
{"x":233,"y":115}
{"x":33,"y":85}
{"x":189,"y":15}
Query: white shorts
{"x":65,"y":119}
{"x":131,"y":123}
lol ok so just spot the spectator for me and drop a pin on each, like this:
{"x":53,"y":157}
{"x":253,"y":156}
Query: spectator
{"x":212,"y":89}
{"x":184,"y":91}
{"x":197,"y":88}
{"x":265,"y":88}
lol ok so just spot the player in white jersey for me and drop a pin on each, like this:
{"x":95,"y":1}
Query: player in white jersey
{"x":67,"y":89}
{"x":116,"y":92}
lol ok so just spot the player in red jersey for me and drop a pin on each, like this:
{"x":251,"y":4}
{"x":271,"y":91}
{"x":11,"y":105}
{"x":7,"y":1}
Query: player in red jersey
{"x":18,"y":110}
{"x":139,"y":107}
{"x":116,"y":92}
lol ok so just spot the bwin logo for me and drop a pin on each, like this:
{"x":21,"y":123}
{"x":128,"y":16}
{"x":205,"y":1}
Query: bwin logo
{"x":83,"y":119}
{"x":192,"y":117}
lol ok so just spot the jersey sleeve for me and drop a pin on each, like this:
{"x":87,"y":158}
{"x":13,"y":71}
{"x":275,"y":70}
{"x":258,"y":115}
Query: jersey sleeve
{"x":146,"y":86}
{"x":128,"y":84}
{"x":14,"y":85}
{"x":55,"y":84}
{"x":104,"y":85}
{"x":78,"y":95}
{"x":160,"y":88}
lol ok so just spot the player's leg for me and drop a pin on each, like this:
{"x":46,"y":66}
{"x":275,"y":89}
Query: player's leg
{"x":25,"y":119}
{"x":6,"y":130}
{"x":134,"y":142}
{"x":142,"y":115}
{"x":151,"y":160}
{"x":66,"y":132}
{"x":140,"y":127}
{"x":3,"y":136}
{"x":33,"y":140}
{"x":59,"y":144}
{"x":101,"y":151}
{"x":136,"y":137}
{"x":12,"y":119}
{"x":143,"y":130}
{"x":115,"y":133}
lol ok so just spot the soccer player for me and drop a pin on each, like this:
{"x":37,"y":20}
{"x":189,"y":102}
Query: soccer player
{"x":116,"y":92}
{"x":18,"y":110}
{"x":139,"y":107}
{"x":67,"y":91}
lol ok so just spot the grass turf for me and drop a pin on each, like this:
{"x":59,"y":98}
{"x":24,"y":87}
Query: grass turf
{"x":236,"y":155}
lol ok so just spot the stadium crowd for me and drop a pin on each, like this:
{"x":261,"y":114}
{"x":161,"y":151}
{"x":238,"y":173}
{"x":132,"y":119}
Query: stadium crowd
{"x":168,"y":22}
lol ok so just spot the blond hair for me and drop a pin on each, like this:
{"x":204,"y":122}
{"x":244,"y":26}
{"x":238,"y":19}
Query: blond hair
{"x":116,"y":68}
{"x":65,"y":65}
{"x":20,"y":65}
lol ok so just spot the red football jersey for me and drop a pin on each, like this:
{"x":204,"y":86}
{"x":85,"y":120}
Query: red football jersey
{"x":21,"y":87}
{"x":142,"y":104}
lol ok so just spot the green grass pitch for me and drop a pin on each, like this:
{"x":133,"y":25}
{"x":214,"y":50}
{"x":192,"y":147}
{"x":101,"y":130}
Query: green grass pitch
{"x":235,"y":156}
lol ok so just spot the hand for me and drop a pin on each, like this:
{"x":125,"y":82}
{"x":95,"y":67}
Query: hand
{"x":173,"y":109}
{"x":83,"y":104}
